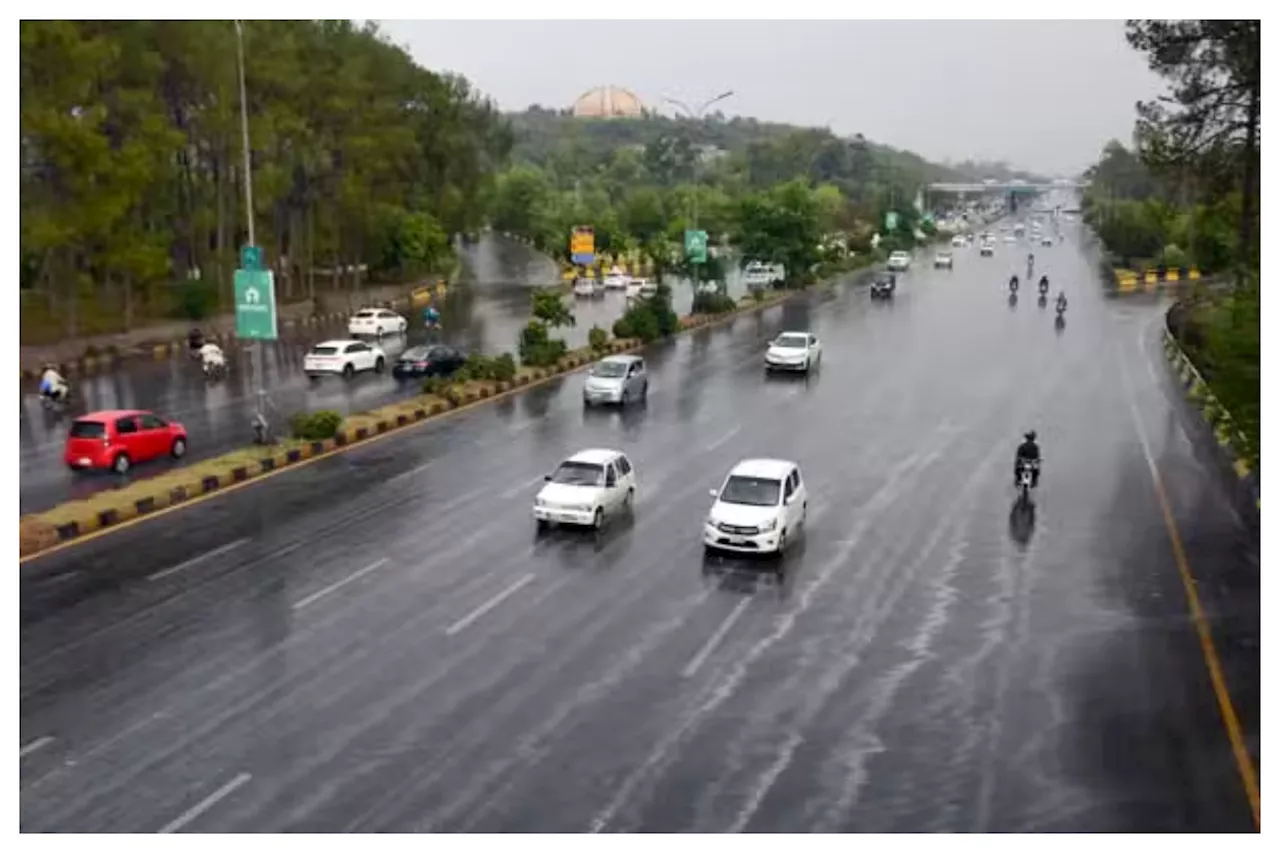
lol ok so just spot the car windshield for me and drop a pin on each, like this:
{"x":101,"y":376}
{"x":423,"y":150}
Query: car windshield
{"x":578,"y":474}
{"x":323,"y":350}
{"x":414,"y":354}
{"x":752,"y":491}
{"x":88,"y":429}
{"x":791,"y":342}
{"x":364,"y":315}
{"x":610,"y":369}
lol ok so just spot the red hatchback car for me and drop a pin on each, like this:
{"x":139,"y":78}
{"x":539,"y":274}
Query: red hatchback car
{"x":116,"y":440}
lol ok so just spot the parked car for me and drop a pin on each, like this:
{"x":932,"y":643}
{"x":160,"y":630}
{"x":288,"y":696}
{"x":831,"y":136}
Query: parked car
{"x":585,"y":489}
{"x":346,"y":358}
{"x":793,"y":351}
{"x":942,"y":259}
{"x":376,"y":321}
{"x":899,"y":261}
{"x":761,"y":507}
{"x":118,"y":439}
{"x":616,"y":379}
{"x":428,"y":360}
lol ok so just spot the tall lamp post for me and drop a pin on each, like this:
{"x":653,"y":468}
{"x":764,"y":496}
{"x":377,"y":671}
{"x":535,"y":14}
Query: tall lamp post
{"x":260,"y":393}
{"x":697,"y":114}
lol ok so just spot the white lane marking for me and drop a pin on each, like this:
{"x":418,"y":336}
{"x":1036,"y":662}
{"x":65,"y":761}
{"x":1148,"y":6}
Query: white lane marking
{"x":724,"y":438}
{"x":521,"y":487}
{"x":194,"y":561}
{"x":38,"y":743}
{"x":489,"y":605}
{"x":334,"y":587}
{"x":710,"y":646}
{"x":204,"y":805}
{"x":404,"y":475}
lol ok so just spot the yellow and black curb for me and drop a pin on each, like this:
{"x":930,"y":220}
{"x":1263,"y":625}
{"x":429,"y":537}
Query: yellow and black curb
{"x":62,"y":525}
{"x":1151,"y":280}
{"x":1230,"y":439}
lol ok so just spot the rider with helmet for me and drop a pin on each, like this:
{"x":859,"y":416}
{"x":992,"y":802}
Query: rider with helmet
{"x":1062,"y":301}
{"x":1031,"y":265}
{"x":1044,"y":285}
{"x":52,"y":385}
{"x":1028,"y":452}
{"x":1013,"y":283}
{"x":430,"y":317}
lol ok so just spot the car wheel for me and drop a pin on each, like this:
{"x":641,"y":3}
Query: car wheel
{"x":597,"y":520}
{"x":629,"y":502}
{"x":379,"y":332}
{"x":120,"y":464}
{"x":541,"y":525}
{"x":179,"y":448}
{"x":379,"y":365}
{"x":348,"y":371}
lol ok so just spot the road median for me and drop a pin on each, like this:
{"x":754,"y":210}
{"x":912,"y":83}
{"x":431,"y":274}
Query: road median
{"x":66,"y":523}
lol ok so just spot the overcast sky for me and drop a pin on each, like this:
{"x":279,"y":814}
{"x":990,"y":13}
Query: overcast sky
{"x":1044,"y":95}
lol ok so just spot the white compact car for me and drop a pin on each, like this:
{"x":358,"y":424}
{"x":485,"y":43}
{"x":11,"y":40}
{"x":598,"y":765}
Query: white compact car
{"x":640,"y":288}
{"x":1046,"y":240}
{"x":346,"y":358}
{"x":616,"y":379}
{"x":793,"y":351}
{"x":959,"y":241}
{"x":942,"y":259}
{"x":584,"y":287}
{"x":899,"y":261}
{"x":759,"y":509}
{"x":585,"y":489}
{"x":616,"y":280}
{"x":376,"y":321}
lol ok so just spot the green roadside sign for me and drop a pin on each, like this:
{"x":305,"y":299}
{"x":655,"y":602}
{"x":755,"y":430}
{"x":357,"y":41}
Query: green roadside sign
{"x":695,"y":246}
{"x":251,"y":257}
{"x":255,"y":295}
{"x":891,"y":221}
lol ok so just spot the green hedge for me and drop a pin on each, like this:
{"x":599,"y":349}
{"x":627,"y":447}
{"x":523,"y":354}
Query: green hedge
{"x":316,"y":426}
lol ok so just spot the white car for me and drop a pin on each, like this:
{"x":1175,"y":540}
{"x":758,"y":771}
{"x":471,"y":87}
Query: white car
{"x":793,"y":351}
{"x":585,"y":489}
{"x":616,"y":379}
{"x":759,"y":509}
{"x":376,"y":321}
{"x":942,"y":259}
{"x":987,"y":250}
{"x":899,"y":261}
{"x":959,"y":241}
{"x":616,"y":280}
{"x":640,"y":287}
{"x":760,"y":276}
{"x":584,"y":287}
{"x":343,"y":357}
{"x":1046,"y":240}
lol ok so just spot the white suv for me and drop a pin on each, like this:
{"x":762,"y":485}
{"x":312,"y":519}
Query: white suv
{"x":343,"y":357}
{"x":759,"y":509}
{"x":585,"y":489}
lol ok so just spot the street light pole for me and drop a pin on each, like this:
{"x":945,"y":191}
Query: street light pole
{"x":260,"y":393}
{"x":697,"y":114}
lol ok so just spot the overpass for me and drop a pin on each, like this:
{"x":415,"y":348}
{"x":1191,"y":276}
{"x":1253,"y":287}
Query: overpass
{"x":944,"y":187}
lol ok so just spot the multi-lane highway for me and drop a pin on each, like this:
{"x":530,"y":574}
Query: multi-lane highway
{"x":485,"y":314}
{"x":379,"y":642}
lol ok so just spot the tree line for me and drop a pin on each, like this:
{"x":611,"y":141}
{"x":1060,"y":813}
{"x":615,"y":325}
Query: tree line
{"x":131,"y":178}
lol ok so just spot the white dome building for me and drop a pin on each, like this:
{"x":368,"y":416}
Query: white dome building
{"x":608,"y":102}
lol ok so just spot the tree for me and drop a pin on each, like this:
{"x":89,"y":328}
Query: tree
{"x":781,"y":226}
{"x":550,"y":309}
{"x":1212,"y":116}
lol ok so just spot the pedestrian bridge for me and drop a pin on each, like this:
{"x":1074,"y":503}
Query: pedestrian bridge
{"x":944,"y":187}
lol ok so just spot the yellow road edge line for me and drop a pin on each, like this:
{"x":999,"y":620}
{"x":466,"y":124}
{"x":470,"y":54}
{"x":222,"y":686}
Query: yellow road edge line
{"x":373,"y":437}
{"x":1244,"y":762}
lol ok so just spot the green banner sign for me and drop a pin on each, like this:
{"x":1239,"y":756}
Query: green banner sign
{"x":255,"y":295}
{"x":891,"y":221}
{"x":695,"y":246}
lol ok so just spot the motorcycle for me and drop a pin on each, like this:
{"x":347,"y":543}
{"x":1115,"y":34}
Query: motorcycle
{"x":1013,"y":285}
{"x":1043,"y":301}
{"x":1044,"y":287}
{"x":56,"y":399}
{"x":1026,"y":479}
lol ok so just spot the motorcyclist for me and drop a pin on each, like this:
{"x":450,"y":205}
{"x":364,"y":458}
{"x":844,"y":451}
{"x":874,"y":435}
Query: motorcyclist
{"x":1013,"y":283}
{"x":430,"y":317}
{"x":1044,"y":284}
{"x":52,"y":385}
{"x":211,"y":358}
{"x":1028,"y":452}
{"x":1062,"y":301}
{"x":1031,"y":265}
{"x":195,"y":340}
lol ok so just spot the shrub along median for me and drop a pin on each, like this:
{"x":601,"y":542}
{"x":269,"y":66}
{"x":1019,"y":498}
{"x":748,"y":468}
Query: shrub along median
{"x":325,"y":432}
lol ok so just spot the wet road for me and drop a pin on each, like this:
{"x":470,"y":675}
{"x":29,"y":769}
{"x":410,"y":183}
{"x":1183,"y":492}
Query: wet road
{"x":485,"y":315}
{"x":378,"y":641}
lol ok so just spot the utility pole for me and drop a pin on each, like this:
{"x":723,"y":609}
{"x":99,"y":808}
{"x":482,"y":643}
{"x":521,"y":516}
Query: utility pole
{"x":697,"y":115}
{"x":260,"y":393}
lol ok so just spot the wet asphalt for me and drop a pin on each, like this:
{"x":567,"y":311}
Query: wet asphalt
{"x":378,"y":641}
{"x":484,"y":314}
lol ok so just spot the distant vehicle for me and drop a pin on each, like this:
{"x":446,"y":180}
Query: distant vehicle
{"x":430,"y":360}
{"x":987,"y":250}
{"x":1009,"y":238}
{"x":793,"y":351}
{"x":641,"y":288}
{"x":117,"y":439}
{"x":616,"y":279}
{"x":616,"y":379}
{"x":343,"y":357}
{"x":899,"y":261}
{"x":585,"y":489}
{"x":584,"y":287}
{"x":1046,"y":240}
{"x":761,"y":507}
{"x":759,"y":276}
{"x":883,"y":286}
{"x":1019,"y":230}
{"x":959,"y":241}
{"x":942,"y":259}
{"x":377,"y":322}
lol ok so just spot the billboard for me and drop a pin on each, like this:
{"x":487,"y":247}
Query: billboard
{"x":582,"y":245}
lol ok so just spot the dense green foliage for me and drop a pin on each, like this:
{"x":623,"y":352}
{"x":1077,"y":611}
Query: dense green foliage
{"x":597,"y":338}
{"x":713,"y":303}
{"x":316,"y":426}
{"x":132,"y":198}
{"x":649,"y":319}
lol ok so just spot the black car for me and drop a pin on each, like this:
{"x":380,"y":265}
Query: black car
{"x":429,"y":360}
{"x":883,"y":286}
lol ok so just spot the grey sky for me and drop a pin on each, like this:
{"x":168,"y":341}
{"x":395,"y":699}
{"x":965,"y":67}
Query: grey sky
{"x":1044,"y":95}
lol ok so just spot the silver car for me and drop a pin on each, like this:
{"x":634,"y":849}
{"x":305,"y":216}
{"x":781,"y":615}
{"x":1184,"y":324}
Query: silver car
{"x":616,"y":379}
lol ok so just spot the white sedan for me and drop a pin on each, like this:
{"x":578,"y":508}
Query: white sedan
{"x":793,"y":351}
{"x":585,"y":489}
{"x":345,"y":358}
{"x":377,"y":322}
{"x":899,"y":261}
{"x":761,"y":507}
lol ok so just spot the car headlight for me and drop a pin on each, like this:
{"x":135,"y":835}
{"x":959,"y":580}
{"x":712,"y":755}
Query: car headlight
{"x":540,"y":503}
{"x":769,"y":525}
